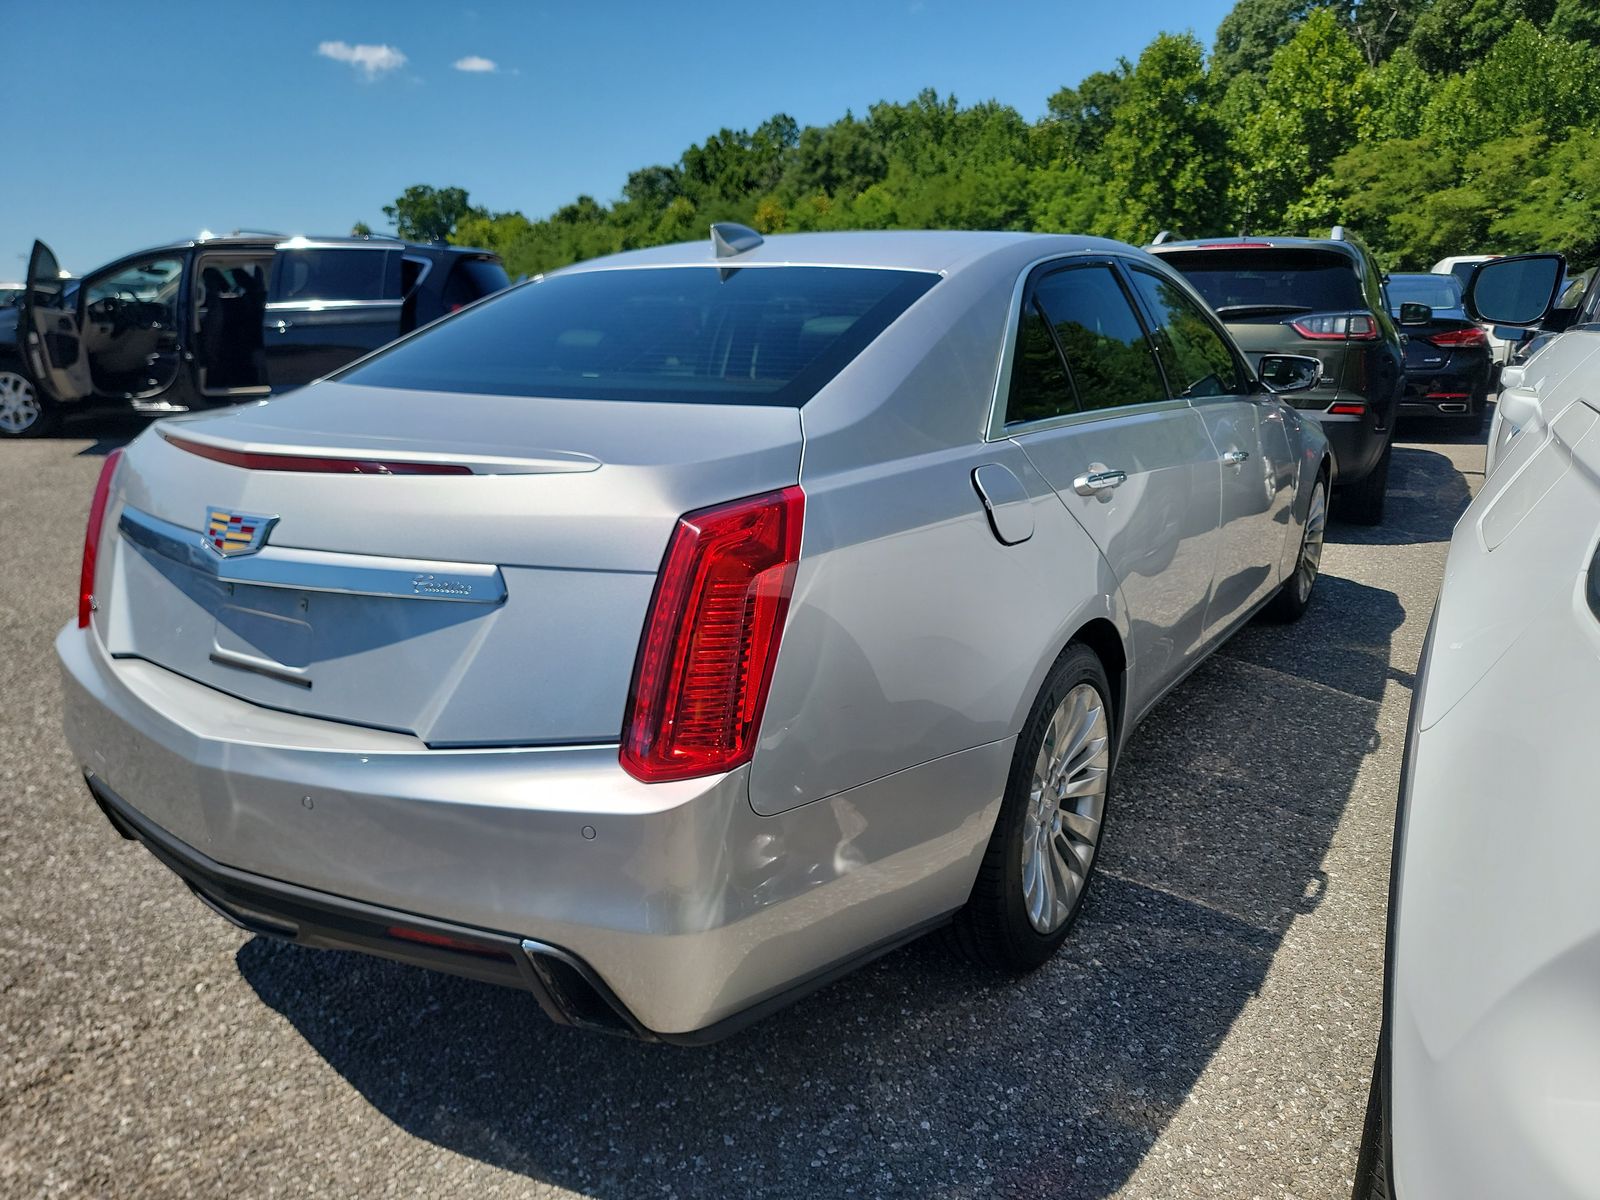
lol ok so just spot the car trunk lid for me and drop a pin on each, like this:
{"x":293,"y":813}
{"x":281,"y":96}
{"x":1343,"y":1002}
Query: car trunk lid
{"x":500,"y":604}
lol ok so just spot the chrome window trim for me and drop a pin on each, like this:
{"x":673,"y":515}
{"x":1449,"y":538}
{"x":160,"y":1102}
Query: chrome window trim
{"x":416,"y":284}
{"x":317,"y":570}
{"x":321,"y":305}
{"x":996,"y":429}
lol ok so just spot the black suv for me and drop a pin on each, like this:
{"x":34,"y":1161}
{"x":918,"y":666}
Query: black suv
{"x":205,"y":323}
{"x":1321,"y":297}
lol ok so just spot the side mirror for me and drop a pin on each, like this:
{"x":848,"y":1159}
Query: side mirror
{"x":1515,"y":291}
{"x":1289,"y":372}
{"x":1415,"y":314}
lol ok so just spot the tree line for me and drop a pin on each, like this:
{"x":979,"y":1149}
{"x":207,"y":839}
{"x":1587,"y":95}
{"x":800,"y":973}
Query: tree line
{"x":1432,"y":127}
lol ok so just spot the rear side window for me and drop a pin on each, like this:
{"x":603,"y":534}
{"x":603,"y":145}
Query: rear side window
{"x":1270,"y":283}
{"x":1108,"y":355}
{"x":1198,"y":361}
{"x":1039,"y":385}
{"x":752,"y":335}
{"x":302,"y":276}
{"x":473,"y":279}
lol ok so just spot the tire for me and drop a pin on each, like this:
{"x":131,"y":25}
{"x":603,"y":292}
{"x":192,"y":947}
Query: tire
{"x":1363,"y":501}
{"x":1372,"y":1164}
{"x":1294,"y":597}
{"x":24,"y":413}
{"x":996,"y":928}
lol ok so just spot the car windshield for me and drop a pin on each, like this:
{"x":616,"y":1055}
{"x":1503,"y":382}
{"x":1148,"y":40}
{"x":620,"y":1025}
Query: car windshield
{"x":1436,"y":291}
{"x":1270,"y":282}
{"x":752,"y":335}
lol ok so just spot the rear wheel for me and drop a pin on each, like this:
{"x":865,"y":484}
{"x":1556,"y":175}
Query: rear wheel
{"x":1362,"y":502}
{"x":23,"y":411}
{"x":1372,"y":1165}
{"x":1042,"y":852}
{"x":1295,"y":595}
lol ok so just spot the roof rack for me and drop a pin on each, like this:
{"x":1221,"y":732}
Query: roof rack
{"x":1337,"y":233}
{"x":1162,"y":238}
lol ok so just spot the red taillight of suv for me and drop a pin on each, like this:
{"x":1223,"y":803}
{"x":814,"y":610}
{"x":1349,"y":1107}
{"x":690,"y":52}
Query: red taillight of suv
{"x":91,"y":536}
{"x":1458,"y":338}
{"x":711,"y":638}
{"x":1337,"y":327}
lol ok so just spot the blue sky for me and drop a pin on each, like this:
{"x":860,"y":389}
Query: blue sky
{"x":160,"y":121}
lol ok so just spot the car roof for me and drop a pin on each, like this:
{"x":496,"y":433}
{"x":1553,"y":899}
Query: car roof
{"x":906,"y":249}
{"x":272,"y":241}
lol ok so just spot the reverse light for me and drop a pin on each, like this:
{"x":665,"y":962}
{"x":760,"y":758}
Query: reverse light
{"x":91,"y":536}
{"x":711,"y":638}
{"x":1337,"y":327}
{"x":1457,"y":338}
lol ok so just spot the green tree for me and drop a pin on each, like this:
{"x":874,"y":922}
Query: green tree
{"x":1526,"y":78}
{"x":1318,"y":94}
{"x":1252,"y":32}
{"x":1164,"y":150}
{"x":427,"y":214}
{"x":1577,"y":21}
{"x":1083,"y":115}
{"x":361,"y":229}
{"x":1451,"y":35}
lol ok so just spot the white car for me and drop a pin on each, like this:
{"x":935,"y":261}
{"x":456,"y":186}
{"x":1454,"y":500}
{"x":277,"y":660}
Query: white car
{"x":1487,"y":1081}
{"x":1462,"y":266}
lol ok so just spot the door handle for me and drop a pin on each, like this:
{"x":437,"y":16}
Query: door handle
{"x":1098,"y":480}
{"x":1234,"y":457}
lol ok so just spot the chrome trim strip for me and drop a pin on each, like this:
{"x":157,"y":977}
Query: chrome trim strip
{"x":318,"y":570}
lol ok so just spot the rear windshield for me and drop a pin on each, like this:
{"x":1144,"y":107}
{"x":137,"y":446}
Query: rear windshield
{"x":1436,"y":291}
{"x":756,"y":335}
{"x":1240,"y":284}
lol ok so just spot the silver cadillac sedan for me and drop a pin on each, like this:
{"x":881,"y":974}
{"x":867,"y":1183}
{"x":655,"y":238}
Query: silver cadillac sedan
{"x":671,"y":633}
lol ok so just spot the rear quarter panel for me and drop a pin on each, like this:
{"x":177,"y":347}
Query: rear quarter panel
{"x":913,"y":633}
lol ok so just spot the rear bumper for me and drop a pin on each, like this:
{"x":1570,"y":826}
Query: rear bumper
{"x":677,"y":900}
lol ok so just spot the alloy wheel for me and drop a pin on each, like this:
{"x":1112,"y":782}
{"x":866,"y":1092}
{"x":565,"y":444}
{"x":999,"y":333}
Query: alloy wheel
{"x":1066,"y":805}
{"x":19,"y":406}
{"x":1305,"y":572}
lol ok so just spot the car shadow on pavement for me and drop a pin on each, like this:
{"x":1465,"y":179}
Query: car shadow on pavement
{"x":1427,"y":493}
{"x":921,"y":1075}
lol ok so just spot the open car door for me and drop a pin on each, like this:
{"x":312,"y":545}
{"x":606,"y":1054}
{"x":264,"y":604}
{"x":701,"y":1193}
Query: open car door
{"x":49,"y":330}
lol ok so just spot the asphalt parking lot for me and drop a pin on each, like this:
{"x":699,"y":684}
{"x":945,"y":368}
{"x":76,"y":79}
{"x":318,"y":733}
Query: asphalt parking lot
{"x":1207,"y":1031}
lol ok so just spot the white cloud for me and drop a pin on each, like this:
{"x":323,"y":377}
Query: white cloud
{"x":371,"y":61}
{"x":476,"y":64}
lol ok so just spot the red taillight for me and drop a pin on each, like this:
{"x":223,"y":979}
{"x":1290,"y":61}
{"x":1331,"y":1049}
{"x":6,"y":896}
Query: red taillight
{"x":1347,"y":410}
{"x":1357,"y":326}
{"x":1459,"y":337}
{"x":91,"y":536}
{"x":711,"y":638}
{"x":316,"y":464}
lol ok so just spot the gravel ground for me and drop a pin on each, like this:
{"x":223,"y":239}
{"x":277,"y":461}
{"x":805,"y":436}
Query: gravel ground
{"x":1207,"y":1031}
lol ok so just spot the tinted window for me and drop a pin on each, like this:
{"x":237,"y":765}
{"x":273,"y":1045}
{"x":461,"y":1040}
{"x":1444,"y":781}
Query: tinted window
{"x":1039,"y":386}
{"x":1107,"y":353}
{"x":1436,"y":291}
{"x":1198,"y":361}
{"x":1270,"y":283}
{"x":760,"y":335}
{"x":301,"y":276}
{"x":472,"y":279}
{"x":1463,"y":272}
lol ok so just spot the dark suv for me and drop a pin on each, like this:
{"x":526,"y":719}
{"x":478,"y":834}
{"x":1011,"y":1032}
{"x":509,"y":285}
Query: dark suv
{"x":1321,"y":297}
{"x":206,"y":323}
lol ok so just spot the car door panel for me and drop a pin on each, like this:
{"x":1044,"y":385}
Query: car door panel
{"x":1136,"y":468}
{"x":327,"y":306}
{"x":1247,"y":431}
{"x":51,"y":331}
